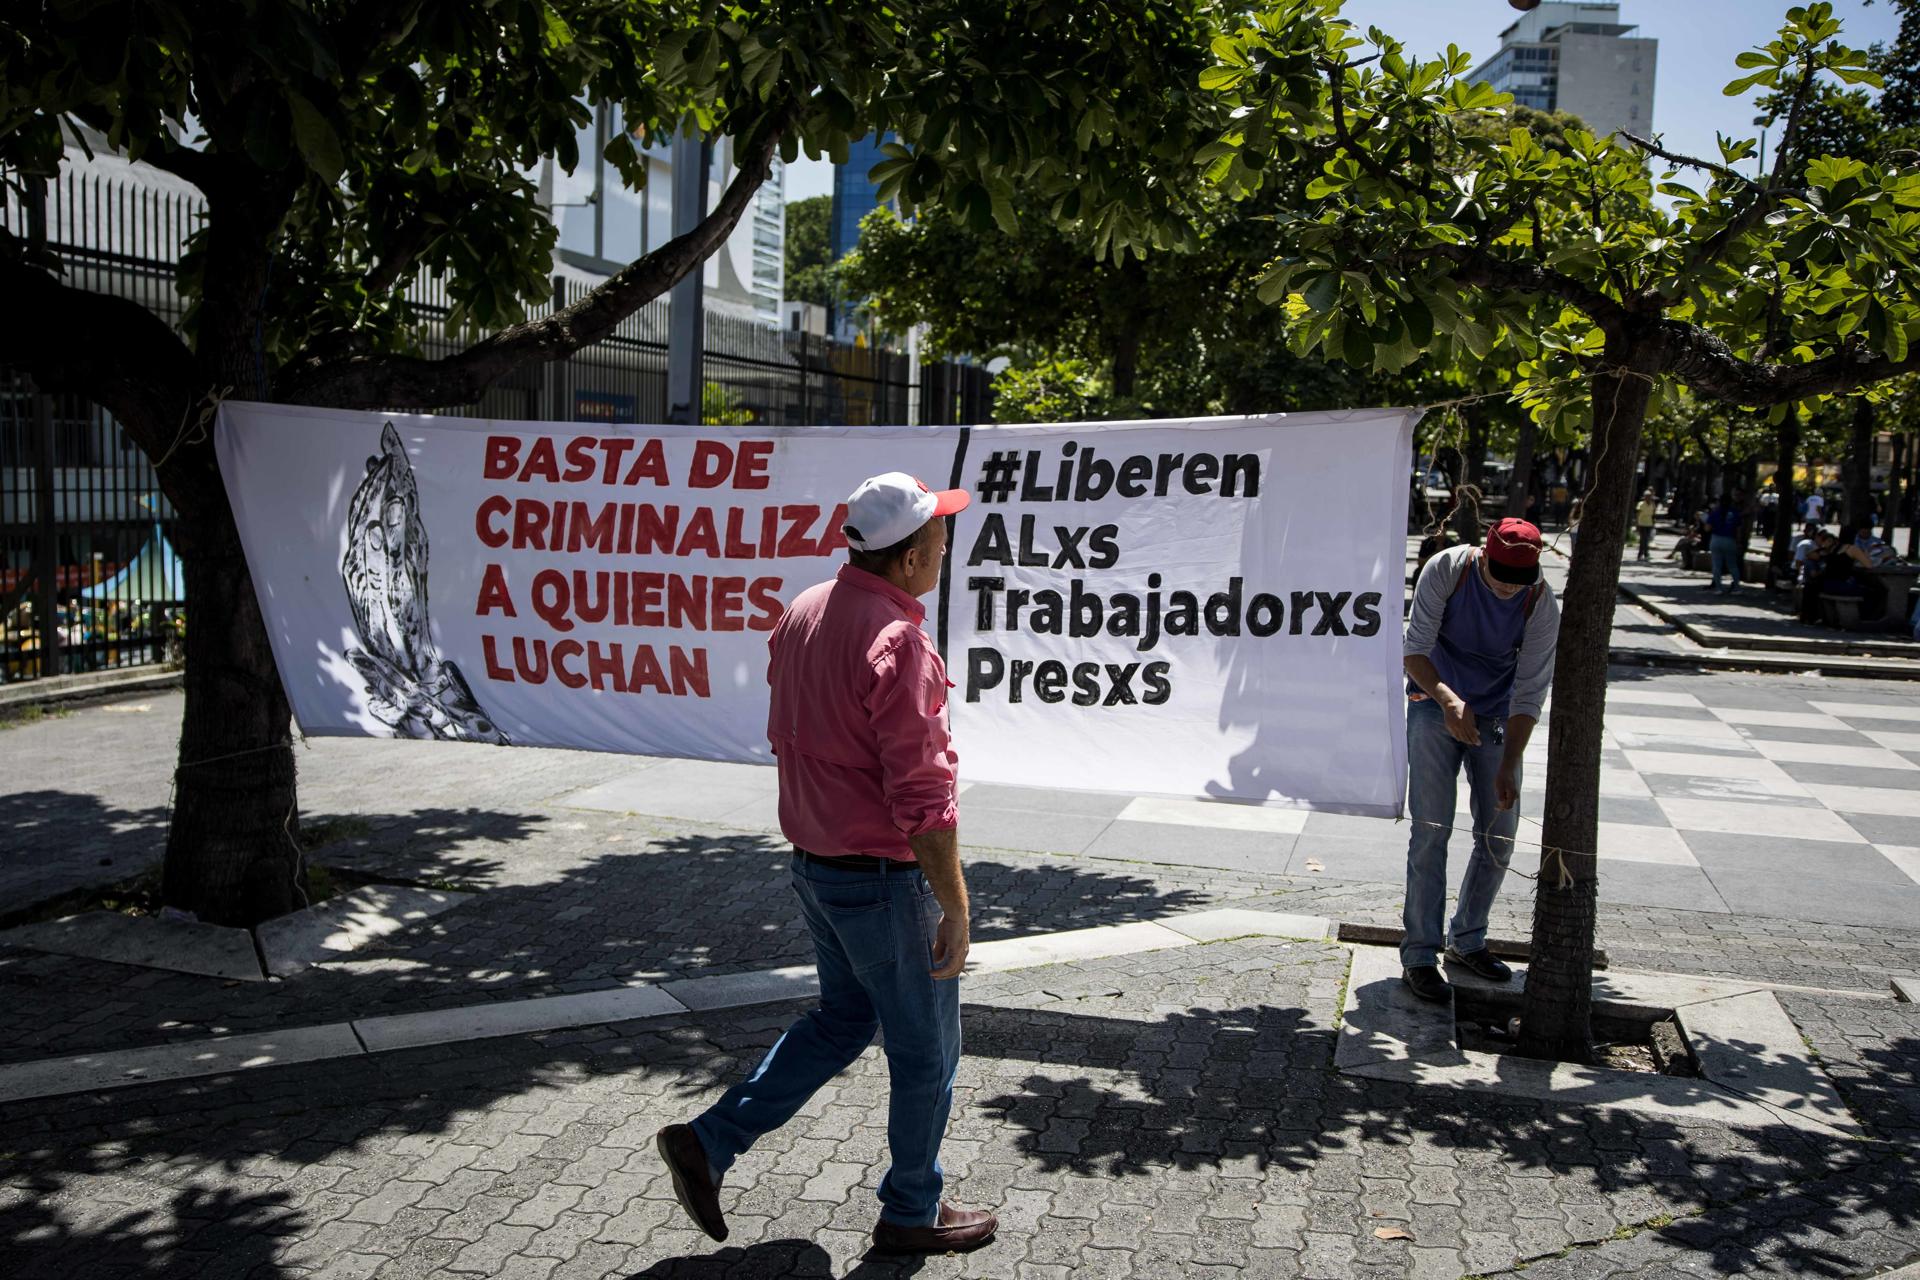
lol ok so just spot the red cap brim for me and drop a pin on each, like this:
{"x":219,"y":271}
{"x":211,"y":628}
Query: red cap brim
{"x":948,"y":502}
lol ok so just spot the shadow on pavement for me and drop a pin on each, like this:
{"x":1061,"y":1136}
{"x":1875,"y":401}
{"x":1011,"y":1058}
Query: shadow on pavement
{"x":623,"y":907}
{"x":779,"y":1258}
{"x":253,"y":1174}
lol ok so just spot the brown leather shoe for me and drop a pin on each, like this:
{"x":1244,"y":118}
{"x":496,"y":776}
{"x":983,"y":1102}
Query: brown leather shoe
{"x":957,"y":1231}
{"x":686,"y":1160}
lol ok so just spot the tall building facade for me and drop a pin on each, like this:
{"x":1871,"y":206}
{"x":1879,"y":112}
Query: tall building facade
{"x":604,"y":226}
{"x":853,"y":194}
{"x":1581,"y":59}
{"x":854,"y":197}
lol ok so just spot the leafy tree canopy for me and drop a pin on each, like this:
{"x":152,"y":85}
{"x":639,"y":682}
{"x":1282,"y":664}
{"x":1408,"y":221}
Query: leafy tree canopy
{"x":354,"y":145}
{"x":1429,"y":230}
{"x":345,"y":147}
{"x":810,"y":251}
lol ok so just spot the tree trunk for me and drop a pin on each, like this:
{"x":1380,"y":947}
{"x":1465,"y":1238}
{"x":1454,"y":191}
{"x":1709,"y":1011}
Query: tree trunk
{"x":1473,"y":472}
{"x":1555,"y":1021}
{"x":233,"y":855}
{"x":1913,"y":500}
{"x":1126,"y":364}
{"x":1860,"y":465}
{"x":1895,"y":474}
{"x":232,"y":850}
{"x":1521,"y":482}
{"x":1786,"y":520}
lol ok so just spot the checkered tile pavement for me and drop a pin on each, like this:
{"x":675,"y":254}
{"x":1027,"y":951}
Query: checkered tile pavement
{"x":1760,"y":797}
{"x":1773,"y":800}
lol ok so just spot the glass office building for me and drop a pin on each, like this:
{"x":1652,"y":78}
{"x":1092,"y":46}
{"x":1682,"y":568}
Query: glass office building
{"x":1581,"y":59}
{"x":853,"y":194}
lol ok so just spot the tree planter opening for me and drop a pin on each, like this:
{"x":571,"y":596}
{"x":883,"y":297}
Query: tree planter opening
{"x":1650,"y":1041}
{"x":1751,"y":1068}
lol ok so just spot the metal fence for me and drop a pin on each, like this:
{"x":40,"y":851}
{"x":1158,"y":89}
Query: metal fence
{"x":89,"y":578}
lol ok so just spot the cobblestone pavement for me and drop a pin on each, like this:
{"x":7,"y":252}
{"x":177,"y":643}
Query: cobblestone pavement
{"x":1164,"y":1114}
{"x":580,"y":898}
{"x":1170,"y":1114}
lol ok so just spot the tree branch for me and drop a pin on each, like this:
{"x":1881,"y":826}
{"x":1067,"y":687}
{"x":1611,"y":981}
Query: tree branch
{"x":1707,"y":364}
{"x":405,"y":382}
{"x":1691,"y":162}
{"x":1484,"y":270}
{"x":185,"y":163}
{"x":1801,"y":93}
{"x":110,"y":350}
{"x":1766,"y":195}
{"x":1336,"y":74}
{"x":409,"y":242}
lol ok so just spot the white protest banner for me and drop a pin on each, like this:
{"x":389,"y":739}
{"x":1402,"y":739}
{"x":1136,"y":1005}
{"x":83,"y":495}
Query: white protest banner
{"x":1187,"y":608}
{"x":1204,"y":607}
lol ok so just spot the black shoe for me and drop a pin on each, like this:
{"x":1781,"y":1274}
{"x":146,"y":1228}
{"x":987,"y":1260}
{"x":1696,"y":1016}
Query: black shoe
{"x":1424,"y":980}
{"x":1482,"y":962}
{"x":692,"y":1179}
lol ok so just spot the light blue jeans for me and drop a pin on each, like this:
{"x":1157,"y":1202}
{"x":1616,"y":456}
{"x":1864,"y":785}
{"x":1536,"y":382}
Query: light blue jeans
{"x":1434,"y":757}
{"x":873,"y":935}
{"x":1726,"y":558}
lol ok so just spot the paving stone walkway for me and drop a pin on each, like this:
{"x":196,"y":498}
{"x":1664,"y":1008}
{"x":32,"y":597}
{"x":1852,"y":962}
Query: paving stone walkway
{"x":1169,"y":1114}
{"x":1162,"y":1114}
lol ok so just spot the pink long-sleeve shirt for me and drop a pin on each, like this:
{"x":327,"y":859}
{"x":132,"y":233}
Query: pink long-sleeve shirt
{"x":858,"y":720}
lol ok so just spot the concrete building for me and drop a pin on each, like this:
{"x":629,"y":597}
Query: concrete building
{"x":1581,"y":59}
{"x":604,"y":226}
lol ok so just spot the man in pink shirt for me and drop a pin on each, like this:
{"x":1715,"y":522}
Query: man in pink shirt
{"x":858,"y":722}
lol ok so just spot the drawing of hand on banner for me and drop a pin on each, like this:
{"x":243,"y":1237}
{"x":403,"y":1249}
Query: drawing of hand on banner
{"x":408,"y":686}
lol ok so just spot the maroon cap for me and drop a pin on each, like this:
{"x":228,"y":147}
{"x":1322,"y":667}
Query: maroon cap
{"x":1513,"y":551}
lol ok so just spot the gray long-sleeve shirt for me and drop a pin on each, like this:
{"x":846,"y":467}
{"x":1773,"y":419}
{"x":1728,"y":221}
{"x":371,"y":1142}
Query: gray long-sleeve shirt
{"x":1517,"y":678}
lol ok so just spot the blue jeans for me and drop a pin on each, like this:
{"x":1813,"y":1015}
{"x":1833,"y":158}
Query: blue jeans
{"x":873,"y":935}
{"x":1434,"y":757}
{"x":1726,"y":557}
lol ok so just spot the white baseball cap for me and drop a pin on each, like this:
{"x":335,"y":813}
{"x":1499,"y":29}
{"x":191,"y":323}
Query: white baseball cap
{"x":888,"y":508}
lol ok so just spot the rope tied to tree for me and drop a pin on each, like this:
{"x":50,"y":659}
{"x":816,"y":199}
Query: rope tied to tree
{"x":193,"y":429}
{"x":1553,"y":859}
{"x":286,"y":823}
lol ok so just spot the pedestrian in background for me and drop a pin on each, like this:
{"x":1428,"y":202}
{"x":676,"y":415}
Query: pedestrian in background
{"x":1723,"y":541}
{"x":858,"y":722}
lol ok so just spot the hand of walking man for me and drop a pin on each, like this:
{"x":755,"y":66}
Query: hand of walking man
{"x":1460,"y":721}
{"x":950,"y":947}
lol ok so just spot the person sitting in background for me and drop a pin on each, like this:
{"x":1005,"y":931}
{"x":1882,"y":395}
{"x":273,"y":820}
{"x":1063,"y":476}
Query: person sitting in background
{"x":1809,"y":561}
{"x":1879,"y":554}
{"x":1846,"y":571}
{"x":1692,"y":541}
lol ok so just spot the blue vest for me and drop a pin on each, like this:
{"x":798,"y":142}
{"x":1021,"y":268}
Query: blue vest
{"x":1478,"y":651}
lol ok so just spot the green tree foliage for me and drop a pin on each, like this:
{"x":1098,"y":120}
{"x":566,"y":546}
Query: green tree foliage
{"x":1423,"y":234}
{"x":721,"y":407}
{"x":1172,"y":333}
{"x":344,"y":148}
{"x":1051,"y":390}
{"x":810,"y":251}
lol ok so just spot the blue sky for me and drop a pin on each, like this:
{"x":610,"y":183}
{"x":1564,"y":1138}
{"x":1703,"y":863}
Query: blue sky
{"x":1699,"y":40}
